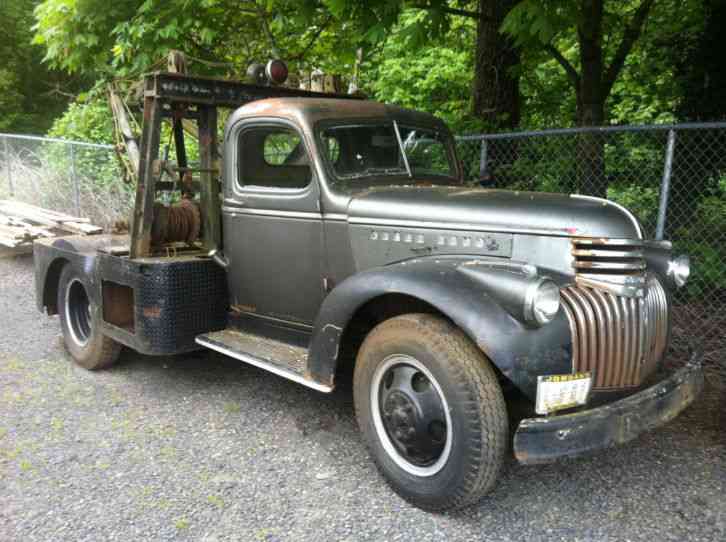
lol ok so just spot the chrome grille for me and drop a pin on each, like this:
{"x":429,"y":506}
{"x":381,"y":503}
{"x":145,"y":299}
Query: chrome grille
{"x":620,"y":339}
{"x":616,"y":265}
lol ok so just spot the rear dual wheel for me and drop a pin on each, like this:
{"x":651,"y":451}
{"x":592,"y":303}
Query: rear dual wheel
{"x":80,"y":322}
{"x":431,"y":411}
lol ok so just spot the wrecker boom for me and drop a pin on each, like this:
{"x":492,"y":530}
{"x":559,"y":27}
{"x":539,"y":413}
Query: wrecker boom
{"x":185,"y":100}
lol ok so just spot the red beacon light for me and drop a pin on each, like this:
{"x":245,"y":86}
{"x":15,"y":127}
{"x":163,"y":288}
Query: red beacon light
{"x":276,"y":72}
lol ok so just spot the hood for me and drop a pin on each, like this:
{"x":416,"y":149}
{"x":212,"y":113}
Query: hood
{"x":482,"y":209}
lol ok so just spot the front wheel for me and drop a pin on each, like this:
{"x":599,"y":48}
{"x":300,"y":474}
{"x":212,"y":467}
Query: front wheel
{"x":80,"y":323}
{"x":431,"y":411}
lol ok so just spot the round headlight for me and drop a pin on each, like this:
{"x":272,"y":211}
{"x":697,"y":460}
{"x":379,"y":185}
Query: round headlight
{"x":542,"y":302}
{"x":679,"y":269}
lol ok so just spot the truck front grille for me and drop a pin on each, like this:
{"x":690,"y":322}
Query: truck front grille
{"x":619,"y":339}
{"x":617,"y":265}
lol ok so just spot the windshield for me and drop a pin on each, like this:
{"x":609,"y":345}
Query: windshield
{"x":387,"y":152}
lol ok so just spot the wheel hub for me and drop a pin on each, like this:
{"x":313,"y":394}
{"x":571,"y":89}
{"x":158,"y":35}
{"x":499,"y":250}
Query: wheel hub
{"x":413,"y":414}
{"x":78,"y":312}
{"x":399,"y":413}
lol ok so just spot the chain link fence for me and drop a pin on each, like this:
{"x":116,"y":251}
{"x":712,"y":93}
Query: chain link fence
{"x":77,"y":178}
{"x":672,"y":177}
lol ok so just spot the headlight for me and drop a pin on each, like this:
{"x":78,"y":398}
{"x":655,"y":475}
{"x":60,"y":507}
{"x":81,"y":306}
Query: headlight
{"x":679,"y":269}
{"x":541,"y":302}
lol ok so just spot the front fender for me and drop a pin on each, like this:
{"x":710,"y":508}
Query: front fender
{"x":474,"y":301}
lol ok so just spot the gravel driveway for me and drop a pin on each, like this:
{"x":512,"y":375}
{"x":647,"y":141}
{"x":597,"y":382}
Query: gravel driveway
{"x":201,"y":447}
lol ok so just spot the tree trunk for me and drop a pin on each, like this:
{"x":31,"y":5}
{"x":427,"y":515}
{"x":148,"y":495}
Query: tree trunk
{"x":591,"y":101}
{"x":495,"y":88}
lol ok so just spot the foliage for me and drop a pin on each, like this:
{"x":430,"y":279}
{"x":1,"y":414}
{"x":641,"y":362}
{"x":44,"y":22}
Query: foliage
{"x":222,"y":37}
{"x":644,"y":89}
{"x":711,"y":211}
{"x":699,"y":70}
{"x":11,"y":100}
{"x":375,"y":19}
{"x":642,"y":201}
{"x":30,"y":94}
{"x":418,"y":54}
{"x":703,"y":239}
{"x":473,"y":39}
{"x":85,"y":121}
{"x":707,"y":267}
{"x":432,"y":77}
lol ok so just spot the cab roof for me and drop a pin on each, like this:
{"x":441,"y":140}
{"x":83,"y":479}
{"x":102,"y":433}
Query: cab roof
{"x":309,"y":111}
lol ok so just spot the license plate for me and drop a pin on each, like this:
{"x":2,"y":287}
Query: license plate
{"x":558,"y":392}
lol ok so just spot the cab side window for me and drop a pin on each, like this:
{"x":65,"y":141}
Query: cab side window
{"x":273,"y":157}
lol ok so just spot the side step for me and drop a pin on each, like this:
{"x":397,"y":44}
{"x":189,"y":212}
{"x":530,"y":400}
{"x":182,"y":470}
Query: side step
{"x":284,"y":360}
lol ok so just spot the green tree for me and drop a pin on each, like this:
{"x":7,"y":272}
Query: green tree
{"x":89,"y":121}
{"x":432,"y":77}
{"x":495,"y":81}
{"x":601,"y":33}
{"x":31,"y":95}
{"x":591,"y":40}
{"x":220,"y":37}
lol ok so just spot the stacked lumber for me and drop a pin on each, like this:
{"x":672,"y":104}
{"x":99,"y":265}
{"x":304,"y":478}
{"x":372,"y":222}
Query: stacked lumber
{"x":21,"y":223}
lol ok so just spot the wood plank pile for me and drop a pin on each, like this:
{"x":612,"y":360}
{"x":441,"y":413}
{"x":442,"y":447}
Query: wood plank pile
{"x":21,"y":223}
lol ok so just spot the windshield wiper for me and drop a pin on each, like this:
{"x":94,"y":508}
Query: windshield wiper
{"x":403,"y":152}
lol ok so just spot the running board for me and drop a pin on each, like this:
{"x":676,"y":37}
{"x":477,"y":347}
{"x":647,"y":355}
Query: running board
{"x":282,"y":359}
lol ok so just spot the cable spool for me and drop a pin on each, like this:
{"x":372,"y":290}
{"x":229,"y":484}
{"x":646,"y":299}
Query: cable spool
{"x":178,"y":223}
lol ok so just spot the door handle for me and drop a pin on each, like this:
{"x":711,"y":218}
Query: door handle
{"x":230,"y":204}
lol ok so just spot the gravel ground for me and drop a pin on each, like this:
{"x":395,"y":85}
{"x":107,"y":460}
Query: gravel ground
{"x":201,"y":447}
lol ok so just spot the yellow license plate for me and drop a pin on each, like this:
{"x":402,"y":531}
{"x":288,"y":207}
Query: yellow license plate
{"x":559,"y":392}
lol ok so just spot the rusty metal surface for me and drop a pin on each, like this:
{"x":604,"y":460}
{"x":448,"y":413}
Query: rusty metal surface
{"x":540,"y":440}
{"x":285,"y":355}
{"x":209,"y":194}
{"x":220,"y":92}
{"x":140,"y":244}
{"x":180,"y":222}
{"x":618,"y":265}
{"x":619,"y":339}
{"x":310,"y":111}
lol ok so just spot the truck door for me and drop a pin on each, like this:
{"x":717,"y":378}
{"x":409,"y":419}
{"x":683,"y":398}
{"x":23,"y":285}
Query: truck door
{"x":273,"y":230}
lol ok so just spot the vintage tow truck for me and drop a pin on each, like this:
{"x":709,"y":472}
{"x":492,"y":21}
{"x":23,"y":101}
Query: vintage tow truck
{"x":337,"y":233}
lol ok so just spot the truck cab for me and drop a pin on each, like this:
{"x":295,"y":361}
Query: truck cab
{"x":337,"y":233}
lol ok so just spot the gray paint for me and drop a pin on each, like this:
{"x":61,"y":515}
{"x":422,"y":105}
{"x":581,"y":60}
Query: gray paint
{"x":378,"y":245}
{"x":263,"y":227}
{"x":263,"y":279}
{"x":285,"y":245}
{"x":520,"y":352}
{"x":494,"y":210}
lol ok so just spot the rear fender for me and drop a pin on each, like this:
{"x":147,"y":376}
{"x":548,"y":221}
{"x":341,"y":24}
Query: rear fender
{"x":476,"y":300}
{"x":49,"y":258}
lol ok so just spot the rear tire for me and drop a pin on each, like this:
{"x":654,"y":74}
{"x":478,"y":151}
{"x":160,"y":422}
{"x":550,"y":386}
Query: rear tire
{"x":80,"y":321}
{"x":431,"y":411}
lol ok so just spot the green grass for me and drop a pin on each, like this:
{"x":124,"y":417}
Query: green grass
{"x":216,"y":500}
{"x":232,"y":407}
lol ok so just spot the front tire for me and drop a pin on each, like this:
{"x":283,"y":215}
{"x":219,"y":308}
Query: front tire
{"x":431,"y":411}
{"x":80,"y":322}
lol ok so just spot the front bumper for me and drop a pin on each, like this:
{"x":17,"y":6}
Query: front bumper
{"x":540,"y":440}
